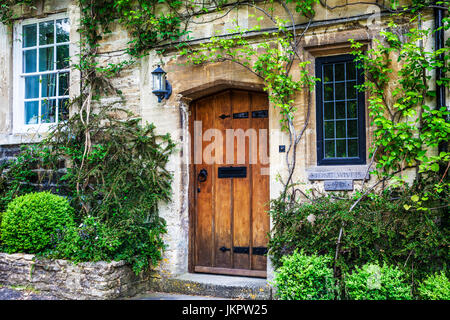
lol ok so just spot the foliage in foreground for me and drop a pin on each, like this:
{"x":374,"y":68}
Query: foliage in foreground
{"x":380,"y":228}
{"x":31,"y":220}
{"x":435,"y":287}
{"x":303,"y":277}
{"x":115,"y":180}
{"x":372,"y":282}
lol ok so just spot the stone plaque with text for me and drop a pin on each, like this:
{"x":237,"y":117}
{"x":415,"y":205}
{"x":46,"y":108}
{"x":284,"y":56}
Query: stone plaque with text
{"x":338,"y":185}
{"x":338,"y":175}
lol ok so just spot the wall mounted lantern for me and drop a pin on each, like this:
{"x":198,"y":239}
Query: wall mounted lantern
{"x":161,"y":87}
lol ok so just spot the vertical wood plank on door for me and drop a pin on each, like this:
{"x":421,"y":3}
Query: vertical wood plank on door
{"x":223,"y":187}
{"x":241,"y":186}
{"x":260,"y":186}
{"x":204,"y":233}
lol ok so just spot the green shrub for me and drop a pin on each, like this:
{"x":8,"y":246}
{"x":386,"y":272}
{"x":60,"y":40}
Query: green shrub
{"x":379,"y":228}
{"x":435,"y":287}
{"x":94,"y":240}
{"x":303,"y":277}
{"x":115,"y":188}
{"x":31,"y":221}
{"x":372,"y":282}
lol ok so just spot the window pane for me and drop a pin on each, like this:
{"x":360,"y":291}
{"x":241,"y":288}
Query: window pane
{"x":352,"y":129}
{"x":48,"y":110}
{"x":46,"y":33}
{"x":29,"y":35}
{"x":63,"y":89}
{"x":340,"y":91}
{"x":46,"y":59}
{"x":351,"y":109}
{"x":340,"y":123}
{"x":328,"y":73}
{"x":31,"y":87}
{"x":351,"y":71}
{"x":62,"y":57}
{"x":49,"y":85}
{"x":329,"y":129}
{"x":62,"y":30}
{"x":340,"y":110}
{"x":341,"y":146}
{"x":351,"y":90}
{"x":353,"y":147}
{"x":329,"y":149}
{"x":31,"y":112}
{"x":328,"y":92}
{"x":329,"y":111}
{"x":340,"y":129}
{"x":63,"y":109}
{"x":29,"y":61}
{"x":339,"y":72}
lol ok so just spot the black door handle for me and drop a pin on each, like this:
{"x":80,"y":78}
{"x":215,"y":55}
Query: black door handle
{"x":202,"y":175}
{"x":224,"y":249}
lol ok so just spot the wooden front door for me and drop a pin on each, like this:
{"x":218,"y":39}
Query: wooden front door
{"x":231,"y":183}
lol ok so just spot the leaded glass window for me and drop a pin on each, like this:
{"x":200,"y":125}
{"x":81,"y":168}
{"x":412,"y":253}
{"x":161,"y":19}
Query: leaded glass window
{"x":340,"y":111}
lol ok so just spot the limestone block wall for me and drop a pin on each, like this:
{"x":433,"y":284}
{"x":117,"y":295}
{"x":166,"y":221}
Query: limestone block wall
{"x":65,"y":280}
{"x":8,"y":152}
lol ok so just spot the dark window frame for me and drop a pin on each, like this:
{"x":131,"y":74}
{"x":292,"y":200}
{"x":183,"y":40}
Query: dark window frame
{"x":321,"y":160}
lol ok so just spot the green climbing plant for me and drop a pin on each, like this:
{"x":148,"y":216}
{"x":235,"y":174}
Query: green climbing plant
{"x":408,"y":128}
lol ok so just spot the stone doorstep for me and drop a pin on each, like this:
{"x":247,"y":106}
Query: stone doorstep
{"x":230,"y":287}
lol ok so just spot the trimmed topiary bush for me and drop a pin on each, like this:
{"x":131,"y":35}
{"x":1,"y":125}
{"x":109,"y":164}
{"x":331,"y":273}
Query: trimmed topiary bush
{"x":372,"y":282}
{"x":305,"y":277}
{"x":31,"y":221}
{"x":435,"y":287}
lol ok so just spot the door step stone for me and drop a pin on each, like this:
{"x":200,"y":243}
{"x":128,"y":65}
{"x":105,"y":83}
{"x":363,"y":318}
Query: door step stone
{"x":229,"y":287}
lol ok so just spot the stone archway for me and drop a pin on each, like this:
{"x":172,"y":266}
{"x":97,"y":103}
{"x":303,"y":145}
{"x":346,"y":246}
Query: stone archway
{"x":245,"y":256}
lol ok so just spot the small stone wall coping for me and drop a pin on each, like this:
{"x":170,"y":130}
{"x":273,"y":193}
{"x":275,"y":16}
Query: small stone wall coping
{"x":66,"y":280}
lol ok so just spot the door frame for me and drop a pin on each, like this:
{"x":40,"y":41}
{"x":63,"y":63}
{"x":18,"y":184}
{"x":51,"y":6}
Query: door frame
{"x":192,"y":186}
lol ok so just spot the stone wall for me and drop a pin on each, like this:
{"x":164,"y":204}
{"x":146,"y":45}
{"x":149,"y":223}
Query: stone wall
{"x":65,"y":280}
{"x":8,"y":152}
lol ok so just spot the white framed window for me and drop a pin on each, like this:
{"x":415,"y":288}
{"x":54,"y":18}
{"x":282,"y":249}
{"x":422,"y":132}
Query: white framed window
{"x":41,"y":73}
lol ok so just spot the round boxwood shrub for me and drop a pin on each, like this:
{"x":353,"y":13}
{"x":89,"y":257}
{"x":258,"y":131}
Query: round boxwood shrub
{"x":305,"y":277}
{"x":435,"y":287}
{"x":372,"y":282}
{"x":31,"y":220}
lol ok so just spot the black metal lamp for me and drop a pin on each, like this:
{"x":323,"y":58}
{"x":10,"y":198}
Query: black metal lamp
{"x":161,"y":87}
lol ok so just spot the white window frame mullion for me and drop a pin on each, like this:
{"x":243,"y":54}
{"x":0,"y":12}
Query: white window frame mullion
{"x":40,"y":100}
{"x":37,"y":47}
{"x":57,"y":97}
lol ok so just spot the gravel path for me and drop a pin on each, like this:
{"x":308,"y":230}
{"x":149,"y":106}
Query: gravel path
{"x":22,"y":294}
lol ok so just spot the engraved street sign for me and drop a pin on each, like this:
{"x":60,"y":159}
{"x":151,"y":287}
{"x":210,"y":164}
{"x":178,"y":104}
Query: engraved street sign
{"x":338,"y":175}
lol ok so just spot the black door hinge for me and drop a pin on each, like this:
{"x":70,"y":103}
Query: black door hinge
{"x":244,"y":250}
{"x":259,"y":251}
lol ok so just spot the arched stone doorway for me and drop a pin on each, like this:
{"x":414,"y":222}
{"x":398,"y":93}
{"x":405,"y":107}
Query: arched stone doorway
{"x":229,"y":179}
